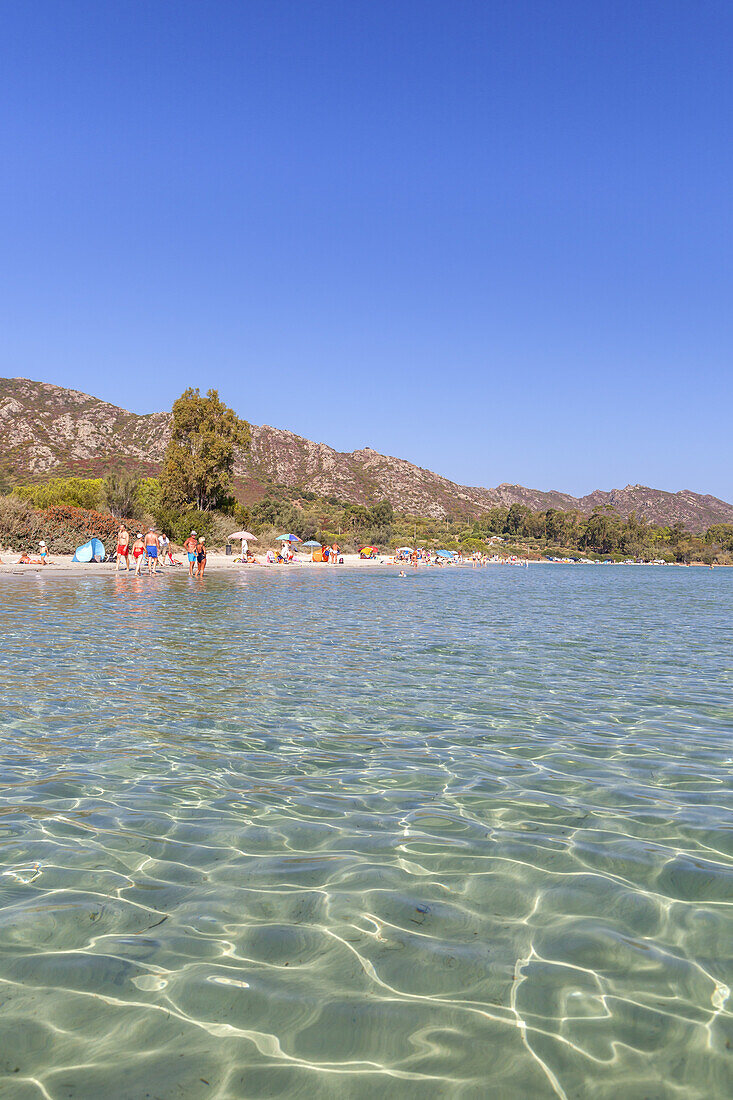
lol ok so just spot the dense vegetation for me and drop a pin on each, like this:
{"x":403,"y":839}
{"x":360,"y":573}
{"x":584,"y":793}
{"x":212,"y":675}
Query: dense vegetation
{"x":53,"y":510}
{"x":604,"y":534}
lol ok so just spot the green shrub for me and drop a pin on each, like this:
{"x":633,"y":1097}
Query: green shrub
{"x":149,"y":497}
{"x":120,"y":494}
{"x":20,"y":524}
{"x":178,"y":525}
{"x":62,"y":526}
{"x":79,"y":492}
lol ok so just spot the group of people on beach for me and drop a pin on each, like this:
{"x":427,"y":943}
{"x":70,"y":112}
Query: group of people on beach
{"x":154,"y":548}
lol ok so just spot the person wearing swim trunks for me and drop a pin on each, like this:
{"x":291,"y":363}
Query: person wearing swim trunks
{"x":138,"y":549}
{"x":151,"y":551}
{"x":123,"y":548}
{"x":164,"y":543}
{"x":190,"y":547}
{"x":201,"y":556}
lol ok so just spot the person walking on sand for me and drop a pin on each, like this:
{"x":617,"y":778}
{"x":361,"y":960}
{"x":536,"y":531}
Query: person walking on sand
{"x":151,"y":552}
{"x":164,"y":544}
{"x":138,"y":549}
{"x":334,"y":554}
{"x":201,"y":556}
{"x":123,"y":548}
{"x":190,"y":547}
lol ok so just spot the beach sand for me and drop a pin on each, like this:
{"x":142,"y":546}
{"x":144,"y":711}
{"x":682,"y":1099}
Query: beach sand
{"x":216,"y":563}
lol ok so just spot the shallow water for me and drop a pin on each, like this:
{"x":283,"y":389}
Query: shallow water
{"x":338,"y":834}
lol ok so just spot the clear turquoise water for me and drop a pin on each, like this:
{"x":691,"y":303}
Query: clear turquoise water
{"x":337,"y":834}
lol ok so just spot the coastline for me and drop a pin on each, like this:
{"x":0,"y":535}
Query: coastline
{"x":62,"y":565}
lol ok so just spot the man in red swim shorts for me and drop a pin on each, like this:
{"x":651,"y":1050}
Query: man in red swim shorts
{"x":123,"y":548}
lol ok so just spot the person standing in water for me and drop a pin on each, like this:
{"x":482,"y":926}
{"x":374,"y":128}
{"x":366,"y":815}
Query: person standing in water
{"x":201,"y":556}
{"x":151,"y":552}
{"x":123,"y":548}
{"x":190,"y":547}
{"x":138,"y":549}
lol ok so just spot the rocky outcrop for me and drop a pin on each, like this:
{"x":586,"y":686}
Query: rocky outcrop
{"x":48,"y":431}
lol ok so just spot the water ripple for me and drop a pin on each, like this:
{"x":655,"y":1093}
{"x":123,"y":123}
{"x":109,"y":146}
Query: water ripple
{"x":334,"y":834}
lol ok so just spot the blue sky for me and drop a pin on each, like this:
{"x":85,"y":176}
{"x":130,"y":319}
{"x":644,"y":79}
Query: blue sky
{"x":493,"y":238}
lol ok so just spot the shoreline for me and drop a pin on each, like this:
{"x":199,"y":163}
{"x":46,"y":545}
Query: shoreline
{"x":62,"y":565}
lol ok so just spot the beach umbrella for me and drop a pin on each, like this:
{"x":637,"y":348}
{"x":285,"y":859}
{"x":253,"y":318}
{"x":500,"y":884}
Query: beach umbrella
{"x":403,"y":550}
{"x":288,"y":538}
{"x":243,"y":535}
{"x":311,"y":542}
{"x":444,"y":554}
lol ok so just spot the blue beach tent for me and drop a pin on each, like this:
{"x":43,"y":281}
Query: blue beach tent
{"x":90,"y":551}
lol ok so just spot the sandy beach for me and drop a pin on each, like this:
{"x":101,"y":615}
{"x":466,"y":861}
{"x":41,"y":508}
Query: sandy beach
{"x":217,"y":562}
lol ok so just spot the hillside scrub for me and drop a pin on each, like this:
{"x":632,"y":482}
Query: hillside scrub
{"x":21,"y":525}
{"x":62,"y":526}
{"x":604,"y":535}
{"x":570,"y":534}
{"x":80,"y":492}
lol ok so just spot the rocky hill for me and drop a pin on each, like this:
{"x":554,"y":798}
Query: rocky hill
{"x":47,"y":431}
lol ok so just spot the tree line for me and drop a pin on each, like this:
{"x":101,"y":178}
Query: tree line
{"x":605,"y":532}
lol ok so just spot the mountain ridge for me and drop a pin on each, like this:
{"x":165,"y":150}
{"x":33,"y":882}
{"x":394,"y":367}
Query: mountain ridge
{"x":51,"y":431}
